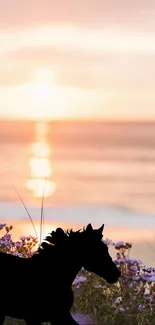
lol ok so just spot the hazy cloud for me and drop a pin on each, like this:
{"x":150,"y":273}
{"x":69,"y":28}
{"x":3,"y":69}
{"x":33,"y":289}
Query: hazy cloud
{"x":131,"y":14}
{"x":102,"y":53}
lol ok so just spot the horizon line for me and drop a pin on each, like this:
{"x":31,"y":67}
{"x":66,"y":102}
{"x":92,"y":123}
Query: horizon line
{"x":89,"y":119}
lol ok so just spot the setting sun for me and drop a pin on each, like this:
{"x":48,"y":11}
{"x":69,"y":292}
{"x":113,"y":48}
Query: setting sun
{"x":42,"y":85}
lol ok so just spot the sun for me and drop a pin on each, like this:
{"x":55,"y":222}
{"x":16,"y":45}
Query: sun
{"x":44,"y":75}
{"x":42,"y":85}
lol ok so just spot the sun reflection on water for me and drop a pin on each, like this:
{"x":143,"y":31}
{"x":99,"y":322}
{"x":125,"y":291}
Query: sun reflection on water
{"x":40,"y":181}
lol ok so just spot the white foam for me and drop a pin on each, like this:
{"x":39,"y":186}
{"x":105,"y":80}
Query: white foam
{"x":110,"y":215}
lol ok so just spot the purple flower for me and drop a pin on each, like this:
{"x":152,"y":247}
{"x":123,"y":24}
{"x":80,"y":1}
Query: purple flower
{"x":121,"y":309}
{"x":2,"y":225}
{"x":131,"y":285}
{"x":7,"y":237}
{"x":146,"y":277}
{"x":132,"y":261}
{"x":17,"y":254}
{"x":98,"y":286}
{"x":118,"y":256}
{"x":23,"y":238}
{"x":29,"y":254}
{"x":80,"y":279}
{"x":141,"y":307}
{"x":18,"y":244}
{"x":5,"y":243}
{"x":133,"y":268}
{"x":120,"y":244}
{"x":108,"y":241}
{"x":148,"y":296}
{"x":148,"y":269}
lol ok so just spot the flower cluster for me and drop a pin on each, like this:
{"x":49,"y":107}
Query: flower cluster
{"x":132,"y":297}
{"x":24,"y":247}
{"x":130,"y":301}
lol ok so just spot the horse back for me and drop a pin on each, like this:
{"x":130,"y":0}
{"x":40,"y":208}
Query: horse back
{"x":9,"y":260}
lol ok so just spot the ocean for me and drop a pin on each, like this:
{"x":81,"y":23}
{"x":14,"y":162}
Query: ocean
{"x":98,"y":172}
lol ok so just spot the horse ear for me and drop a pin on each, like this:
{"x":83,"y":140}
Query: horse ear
{"x":89,"y":227}
{"x":100,"y":230}
{"x":60,"y":231}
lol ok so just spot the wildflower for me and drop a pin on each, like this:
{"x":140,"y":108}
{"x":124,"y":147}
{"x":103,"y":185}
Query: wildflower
{"x":146,"y":277}
{"x":122,"y":309}
{"x":122,"y":244}
{"x":139,"y":278}
{"x":108,"y":242}
{"x":2,"y":225}
{"x":28,"y":238}
{"x":5,"y":244}
{"x":140,"y":307}
{"x":118,"y":256}
{"x":98,"y":286}
{"x":18,"y":244}
{"x":133,"y":268}
{"x":17,"y":254}
{"x":8,"y":228}
{"x":7,"y":237}
{"x":148,"y":296}
{"x":140,"y":263}
{"x":131,"y":285}
{"x":131,"y":261}
{"x":79,"y":280}
{"x":148,"y":269}
{"x":23,"y":238}
{"x":29,"y":254}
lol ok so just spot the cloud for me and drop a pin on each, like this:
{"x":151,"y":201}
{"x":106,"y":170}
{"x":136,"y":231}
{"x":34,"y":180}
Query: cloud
{"x":81,"y":69}
{"x":132,"y":14}
{"x":73,"y":38}
{"x":104,"y":49}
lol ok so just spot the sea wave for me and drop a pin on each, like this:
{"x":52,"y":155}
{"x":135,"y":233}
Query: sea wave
{"x":112,"y":216}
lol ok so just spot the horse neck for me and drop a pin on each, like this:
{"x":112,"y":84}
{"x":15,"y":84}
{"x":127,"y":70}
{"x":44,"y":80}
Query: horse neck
{"x":73,"y":265}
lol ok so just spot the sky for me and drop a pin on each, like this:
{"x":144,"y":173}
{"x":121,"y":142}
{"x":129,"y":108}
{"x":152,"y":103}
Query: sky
{"x":94,"y":59}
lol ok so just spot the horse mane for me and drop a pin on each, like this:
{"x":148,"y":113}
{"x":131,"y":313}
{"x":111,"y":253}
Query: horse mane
{"x":58,"y":238}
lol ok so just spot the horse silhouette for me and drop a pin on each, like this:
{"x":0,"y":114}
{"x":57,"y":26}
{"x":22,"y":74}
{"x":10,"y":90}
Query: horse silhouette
{"x":39,"y":289}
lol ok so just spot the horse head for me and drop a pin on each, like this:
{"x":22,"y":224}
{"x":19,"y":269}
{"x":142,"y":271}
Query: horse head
{"x":96,"y":257}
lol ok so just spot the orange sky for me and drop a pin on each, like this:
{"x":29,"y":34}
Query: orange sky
{"x":142,"y":248}
{"x":115,"y":233}
{"x":101,"y":56}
